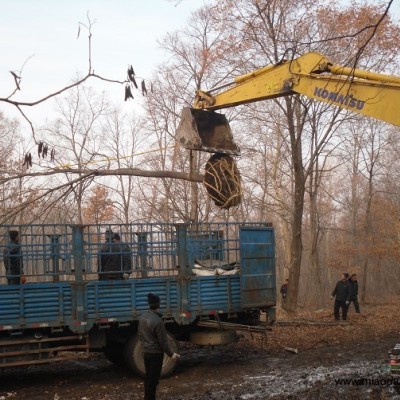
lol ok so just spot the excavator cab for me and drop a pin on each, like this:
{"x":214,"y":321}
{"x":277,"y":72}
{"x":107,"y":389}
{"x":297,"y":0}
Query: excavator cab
{"x":206,"y":131}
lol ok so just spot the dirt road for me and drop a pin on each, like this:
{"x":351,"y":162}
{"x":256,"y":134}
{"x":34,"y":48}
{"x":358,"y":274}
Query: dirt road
{"x":331,"y":363}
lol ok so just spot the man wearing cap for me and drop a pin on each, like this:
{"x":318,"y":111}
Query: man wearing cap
{"x":154,"y":339}
{"x":342,"y":297}
{"x":13,"y":260}
{"x":110,"y":259}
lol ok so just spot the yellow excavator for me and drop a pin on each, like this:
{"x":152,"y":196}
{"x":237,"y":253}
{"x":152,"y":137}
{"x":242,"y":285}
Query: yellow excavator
{"x":313,"y":75}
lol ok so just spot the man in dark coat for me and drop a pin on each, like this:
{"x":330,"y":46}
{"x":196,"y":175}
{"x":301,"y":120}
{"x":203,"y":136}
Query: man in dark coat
{"x":154,"y":339}
{"x":126,"y":255}
{"x":342,"y":297}
{"x":110,"y":259}
{"x":354,"y":292}
{"x":284,"y":289}
{"x":13,"y":260}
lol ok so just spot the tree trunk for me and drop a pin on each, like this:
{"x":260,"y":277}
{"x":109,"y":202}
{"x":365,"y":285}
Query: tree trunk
{"x":296,"y":245}
{"x":315,"y":267}
{"x":194,"y":214}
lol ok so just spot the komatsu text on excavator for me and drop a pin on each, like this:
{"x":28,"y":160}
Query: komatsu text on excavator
{"x":313,"y":75}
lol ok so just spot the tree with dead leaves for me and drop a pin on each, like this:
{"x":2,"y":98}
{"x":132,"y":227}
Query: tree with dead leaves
{"x":98,"y":207}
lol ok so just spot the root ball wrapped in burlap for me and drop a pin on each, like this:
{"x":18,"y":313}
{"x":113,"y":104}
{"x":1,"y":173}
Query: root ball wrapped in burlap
{"x":222,"y":181}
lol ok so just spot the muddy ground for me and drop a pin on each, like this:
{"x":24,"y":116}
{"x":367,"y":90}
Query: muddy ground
{"x":327,"y":353}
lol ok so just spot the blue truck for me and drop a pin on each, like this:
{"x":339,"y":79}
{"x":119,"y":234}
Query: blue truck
{"x":214,"y":279}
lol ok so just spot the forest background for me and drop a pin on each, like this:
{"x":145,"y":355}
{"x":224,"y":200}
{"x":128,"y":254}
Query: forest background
{"x":326,"y":178}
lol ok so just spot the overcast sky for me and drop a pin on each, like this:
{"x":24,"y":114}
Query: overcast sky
{"x":41,"y":37}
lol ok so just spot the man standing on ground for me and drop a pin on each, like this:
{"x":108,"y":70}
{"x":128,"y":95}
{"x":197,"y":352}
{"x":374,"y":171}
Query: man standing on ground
{"x":284,"y":289}
{"x":342,"y":297}
{"x":354,"y":292}
{"x":154,"y":339}
{"x":13,"y":260}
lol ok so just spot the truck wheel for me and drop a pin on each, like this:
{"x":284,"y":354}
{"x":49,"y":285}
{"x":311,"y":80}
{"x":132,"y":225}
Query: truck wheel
{"x":134,"y":356}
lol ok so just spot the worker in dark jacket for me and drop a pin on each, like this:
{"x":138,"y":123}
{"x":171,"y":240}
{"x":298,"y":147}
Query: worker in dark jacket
{"x":126,"y":255}
{"x":154,"y":340}
{"x":342,"y":297}
{"x":354,"y":292}
{"x":284,"y":289}
{"x":110,"y":260}
{"x":13,"y":260}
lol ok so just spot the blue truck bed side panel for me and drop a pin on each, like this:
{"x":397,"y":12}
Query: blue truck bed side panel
{"x":212,"y":293}
{"x":128,"y":299}
{"x":35,"y":303}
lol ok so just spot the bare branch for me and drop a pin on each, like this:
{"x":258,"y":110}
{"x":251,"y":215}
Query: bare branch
{"x":192,"y":177}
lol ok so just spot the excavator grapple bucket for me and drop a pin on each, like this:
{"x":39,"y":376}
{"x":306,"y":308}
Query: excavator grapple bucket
{"x":206,"y":131}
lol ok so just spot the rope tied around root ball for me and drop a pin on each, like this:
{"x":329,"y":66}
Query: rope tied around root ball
{"x":222,"y":181}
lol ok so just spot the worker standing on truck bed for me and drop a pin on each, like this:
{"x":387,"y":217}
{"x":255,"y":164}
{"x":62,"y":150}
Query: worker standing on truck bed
{"x":154,"y":339}
{"x":126,"y":256}
{"x":13,"y":260}
{"x":110,"y":259}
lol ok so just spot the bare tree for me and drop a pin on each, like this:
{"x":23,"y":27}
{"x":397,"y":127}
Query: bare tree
{"x":122,"y":139}
{"x":79,"y":175}
{"x":76,"y":135}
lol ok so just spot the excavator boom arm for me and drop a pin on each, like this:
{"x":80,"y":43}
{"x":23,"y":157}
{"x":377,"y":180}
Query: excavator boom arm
{"x":314,"y":76}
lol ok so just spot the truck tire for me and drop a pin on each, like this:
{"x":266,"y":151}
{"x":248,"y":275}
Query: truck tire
{"x":134,"y":356}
